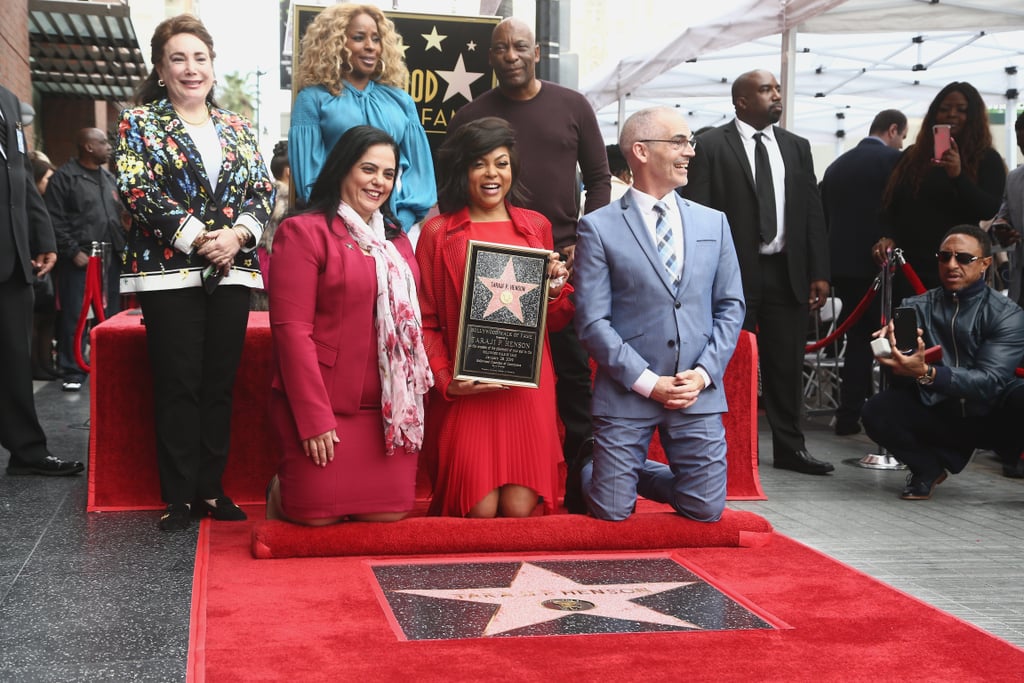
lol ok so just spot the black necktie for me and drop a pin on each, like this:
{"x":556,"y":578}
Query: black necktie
{"x":765,"y":190}
{"x":3,"y":133}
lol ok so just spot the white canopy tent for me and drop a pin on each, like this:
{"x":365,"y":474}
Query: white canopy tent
{"x":839,"y":62}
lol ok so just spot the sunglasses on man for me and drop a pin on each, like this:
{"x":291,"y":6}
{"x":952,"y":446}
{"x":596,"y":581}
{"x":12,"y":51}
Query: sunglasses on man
{"x":962,"y":258}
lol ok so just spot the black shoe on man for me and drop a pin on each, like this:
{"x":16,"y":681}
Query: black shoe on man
{"x":574,"y":501}
{"x":920,"y":487}
{"x":50,"y":466}
{"x":801,"y":461}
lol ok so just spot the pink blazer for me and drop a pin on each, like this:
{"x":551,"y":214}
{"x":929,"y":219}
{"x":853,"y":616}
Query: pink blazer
{"x":321,"y":312}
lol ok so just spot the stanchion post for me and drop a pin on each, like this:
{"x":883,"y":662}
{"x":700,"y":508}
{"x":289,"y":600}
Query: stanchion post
{"x":882,"y":460}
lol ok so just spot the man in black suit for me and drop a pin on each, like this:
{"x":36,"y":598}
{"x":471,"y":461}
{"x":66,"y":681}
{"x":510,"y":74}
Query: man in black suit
{"x":779,"y":231}
{"x":21,"y":211}
{"x":851,"y":194}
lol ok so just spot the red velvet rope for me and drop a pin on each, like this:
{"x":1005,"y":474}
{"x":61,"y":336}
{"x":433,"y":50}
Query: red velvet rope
{"x":862,"y":306}
{"x":915,"y":282}
{"x":93,"y":299}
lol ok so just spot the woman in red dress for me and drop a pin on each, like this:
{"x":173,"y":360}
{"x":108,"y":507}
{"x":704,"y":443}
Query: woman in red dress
{"x":493,"y":449}
{"x":350,"y":368}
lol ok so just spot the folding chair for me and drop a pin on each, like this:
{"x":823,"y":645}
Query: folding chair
{"x":821,"y":367}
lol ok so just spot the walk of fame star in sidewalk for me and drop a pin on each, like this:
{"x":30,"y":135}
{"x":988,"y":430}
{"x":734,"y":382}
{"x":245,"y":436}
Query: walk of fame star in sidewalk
{"x":434,"y":600}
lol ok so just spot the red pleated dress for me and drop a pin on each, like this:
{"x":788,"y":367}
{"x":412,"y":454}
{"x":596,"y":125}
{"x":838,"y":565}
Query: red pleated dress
{"x":504,"y":437}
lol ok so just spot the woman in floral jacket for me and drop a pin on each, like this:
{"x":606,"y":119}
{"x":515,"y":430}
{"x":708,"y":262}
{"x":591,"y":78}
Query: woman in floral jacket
{"x":199,"y":194}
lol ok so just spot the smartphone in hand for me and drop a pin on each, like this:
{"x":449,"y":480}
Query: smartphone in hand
{"x":941,"y":132}
{"x":904,"y":322}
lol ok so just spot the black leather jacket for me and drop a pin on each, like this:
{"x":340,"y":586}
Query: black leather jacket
{"x":981,"y":333}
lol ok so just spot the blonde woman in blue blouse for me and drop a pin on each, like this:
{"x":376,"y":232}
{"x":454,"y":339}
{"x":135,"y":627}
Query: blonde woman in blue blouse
{"x":199,"y":193}
{"x":352,"y":72}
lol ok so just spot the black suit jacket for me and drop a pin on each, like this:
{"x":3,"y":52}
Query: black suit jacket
{"x":851,"y":194}
{"x":720,"y":177}
{"x":22,"y":210}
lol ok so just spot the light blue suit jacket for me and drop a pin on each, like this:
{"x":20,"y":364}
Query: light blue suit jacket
{"x":630,"y":317}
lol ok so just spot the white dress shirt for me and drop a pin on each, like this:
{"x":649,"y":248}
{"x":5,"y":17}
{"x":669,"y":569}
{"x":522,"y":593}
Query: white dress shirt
{"x":778,"y":178}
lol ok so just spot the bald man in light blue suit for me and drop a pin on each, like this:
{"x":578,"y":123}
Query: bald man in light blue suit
{"x":659,"y":307}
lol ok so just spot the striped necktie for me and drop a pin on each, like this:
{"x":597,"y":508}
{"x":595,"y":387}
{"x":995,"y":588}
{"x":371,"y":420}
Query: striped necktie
{"x":3,"y":134}
{"x":666,"y":242}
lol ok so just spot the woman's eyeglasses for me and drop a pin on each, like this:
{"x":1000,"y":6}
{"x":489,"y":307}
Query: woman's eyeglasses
{"x":962,"y":258}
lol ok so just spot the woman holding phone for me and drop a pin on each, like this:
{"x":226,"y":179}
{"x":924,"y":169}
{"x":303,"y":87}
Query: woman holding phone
{"x":951,"y":175}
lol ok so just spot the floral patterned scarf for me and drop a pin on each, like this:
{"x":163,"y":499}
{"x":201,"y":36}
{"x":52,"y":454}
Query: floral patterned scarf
{"x":404,"y":370}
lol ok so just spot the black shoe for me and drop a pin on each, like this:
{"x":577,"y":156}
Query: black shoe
{"x":847,"y":427}
{"x":49,"y":466}
{"x":1015,"y":469}
{"x":801,"y":461}
{"x":919,"y":488}
{"x":574,"y":502}
{"x":223,"y":511}
{"x":175,"y":518}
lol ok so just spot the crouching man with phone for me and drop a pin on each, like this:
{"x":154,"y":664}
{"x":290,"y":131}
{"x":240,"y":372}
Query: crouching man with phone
{"x":933,"y":416}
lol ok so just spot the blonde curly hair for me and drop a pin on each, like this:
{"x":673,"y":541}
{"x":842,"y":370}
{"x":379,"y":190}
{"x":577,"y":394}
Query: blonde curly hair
{"x":326,"y":61}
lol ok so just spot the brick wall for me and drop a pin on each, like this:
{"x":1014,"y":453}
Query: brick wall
{"x":14,"y":69}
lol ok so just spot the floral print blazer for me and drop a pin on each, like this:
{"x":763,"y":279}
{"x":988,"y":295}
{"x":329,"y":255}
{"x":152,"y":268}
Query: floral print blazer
{"x":161,"y":180}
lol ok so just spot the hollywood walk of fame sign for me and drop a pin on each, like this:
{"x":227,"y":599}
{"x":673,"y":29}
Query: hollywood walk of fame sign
{"x":554,"y":596}
{"x":504,"y":310}
{"x":447,"y":56}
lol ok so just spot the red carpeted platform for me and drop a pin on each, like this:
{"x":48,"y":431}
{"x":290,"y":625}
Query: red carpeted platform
{"x":122,"y":452}
{"x":122,"y":448}
{"x":432,"y":535}
{"x":321,"y":619}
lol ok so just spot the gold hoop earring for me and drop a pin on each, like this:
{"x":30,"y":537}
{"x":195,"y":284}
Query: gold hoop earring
{"x":161,"y":83}
{"x":383,"y":66}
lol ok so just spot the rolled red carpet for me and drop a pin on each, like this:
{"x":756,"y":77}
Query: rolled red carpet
{"x":563,"y":533}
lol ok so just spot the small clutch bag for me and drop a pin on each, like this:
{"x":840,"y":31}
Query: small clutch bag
{"x":211,"y":277}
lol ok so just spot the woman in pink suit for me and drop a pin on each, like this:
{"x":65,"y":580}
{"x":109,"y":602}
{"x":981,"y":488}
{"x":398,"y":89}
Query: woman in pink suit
{"x":350,"y":369}
{"x":494,"y":448}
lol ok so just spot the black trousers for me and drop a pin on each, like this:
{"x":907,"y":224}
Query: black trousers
{"x":195,"y":345}
{"x":781,"y":326}
{"x":930,"y":439}
{"x":573,"y":389}
{"x":20,"y":432}
{"x":855,"y":375}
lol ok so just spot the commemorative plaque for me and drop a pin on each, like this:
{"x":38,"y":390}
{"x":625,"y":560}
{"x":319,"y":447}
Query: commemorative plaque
{"x":504,"y":310}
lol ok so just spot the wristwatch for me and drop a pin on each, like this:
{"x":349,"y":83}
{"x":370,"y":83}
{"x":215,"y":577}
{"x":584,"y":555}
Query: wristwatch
{"x":928,"y":377}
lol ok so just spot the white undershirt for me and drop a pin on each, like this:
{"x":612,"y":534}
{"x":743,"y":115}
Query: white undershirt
{"x":205,"y":138}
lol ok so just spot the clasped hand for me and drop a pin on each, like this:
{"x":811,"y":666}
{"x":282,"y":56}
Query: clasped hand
{"x":679,"y":391}
{"x":219,"y":247}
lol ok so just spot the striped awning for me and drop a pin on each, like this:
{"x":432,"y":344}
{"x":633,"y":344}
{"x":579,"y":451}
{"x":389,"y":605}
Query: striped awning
{"x":85,"y":50}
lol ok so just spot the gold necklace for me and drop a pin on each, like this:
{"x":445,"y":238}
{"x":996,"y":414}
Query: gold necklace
{"x":192,"y":123}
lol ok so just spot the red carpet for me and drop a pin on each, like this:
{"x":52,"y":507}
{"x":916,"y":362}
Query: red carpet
{"x":122,"y":449}
{"x":319,"y":619}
